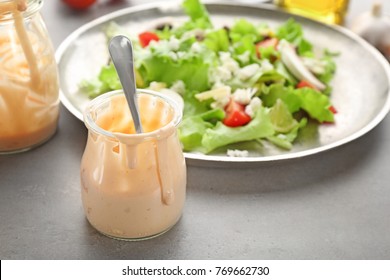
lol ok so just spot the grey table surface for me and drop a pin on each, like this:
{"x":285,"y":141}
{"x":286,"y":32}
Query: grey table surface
{"x":334,"y":205}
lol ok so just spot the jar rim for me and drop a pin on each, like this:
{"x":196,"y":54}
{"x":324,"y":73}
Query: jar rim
{"x":99,"y":101}
{"x":33,"y":6}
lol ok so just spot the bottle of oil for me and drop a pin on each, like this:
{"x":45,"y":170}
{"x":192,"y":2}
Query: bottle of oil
{"x":328,"y":11}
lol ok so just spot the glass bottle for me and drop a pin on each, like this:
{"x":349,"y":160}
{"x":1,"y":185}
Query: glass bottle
{"x":328,"y":11}
{"x":29,"y":91}
{"x":133,"y":185}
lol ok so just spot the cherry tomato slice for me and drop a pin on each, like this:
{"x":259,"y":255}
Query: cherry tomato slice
{"x":79,"y":4}
{"x":146,"y":37}
{"x":270,"y":42}
{"x":333,"y":109}
{"x":303,"y":84}
{"x":235,"y":115}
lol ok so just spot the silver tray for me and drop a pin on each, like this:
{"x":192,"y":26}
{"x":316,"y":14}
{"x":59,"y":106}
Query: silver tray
{"x":361,"y":86}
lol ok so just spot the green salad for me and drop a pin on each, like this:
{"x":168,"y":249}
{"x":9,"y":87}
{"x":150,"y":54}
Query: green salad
{"x":239,"y":83}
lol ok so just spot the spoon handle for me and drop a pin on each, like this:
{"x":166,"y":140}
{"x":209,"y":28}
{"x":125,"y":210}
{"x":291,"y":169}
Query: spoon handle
{"x":121,"y":51}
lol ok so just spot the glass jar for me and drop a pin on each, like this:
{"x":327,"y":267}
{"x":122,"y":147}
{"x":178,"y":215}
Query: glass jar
{"x":133,"y":185}
{"x":29,"y":92}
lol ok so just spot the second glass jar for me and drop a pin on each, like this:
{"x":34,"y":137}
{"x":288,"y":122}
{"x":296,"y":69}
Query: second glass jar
{"x":29,"y":91}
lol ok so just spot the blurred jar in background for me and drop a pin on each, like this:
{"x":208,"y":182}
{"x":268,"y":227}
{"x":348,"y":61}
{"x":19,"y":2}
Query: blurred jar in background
{"x":328,"y":11}
{"x":29,"y":102}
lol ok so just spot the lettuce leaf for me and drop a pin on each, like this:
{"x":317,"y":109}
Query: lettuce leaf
{"x":278,"y":91}
{"x":244,"y":36}
{"x":163,"y":64}
{"x":281,"y":118}
{"x":241,"y":28}
{"x":222,"y":135}
{"x":311,"y":101}
{"x":196,"y":11}
{"x":192,"y":106}
{"x":285,"y":141}
{"x":107,"y":80}
{"x":330,"y":67}
{"x":217,"y":40}
{"x":199,"y":19}
{"x":292,"y":32}
{"x":315,"y":104}
{"x":193,"y":72}
{"x":193,"y":128}
{"x":245,"y":44}
{"x":269,"y":53}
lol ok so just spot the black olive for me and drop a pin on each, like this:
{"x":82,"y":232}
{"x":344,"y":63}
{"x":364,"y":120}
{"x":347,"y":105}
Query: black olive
{"x":199,"y":37}
{"x":163,"y":26}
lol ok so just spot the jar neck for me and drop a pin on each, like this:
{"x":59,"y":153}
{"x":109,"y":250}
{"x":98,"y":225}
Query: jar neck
{"x":27,"y":7}
{"x":99,"y":105}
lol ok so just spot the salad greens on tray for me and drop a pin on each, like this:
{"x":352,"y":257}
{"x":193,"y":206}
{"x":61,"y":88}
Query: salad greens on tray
{"x":238,"y":83}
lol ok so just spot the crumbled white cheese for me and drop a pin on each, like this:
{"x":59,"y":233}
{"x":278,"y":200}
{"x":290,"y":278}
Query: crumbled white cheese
{"x":180,"y":54}
{"x":153,"y":44}
{"x":223,"y":74}
{"x":173,"y":43}
{"x":196,"y":47}
{"x":220,"y":95}
{"x":224,"y":55}
{"x":217,"y":84}
{"x":237,"y":153}
{"x":220,"y":102}
{"x":173,"y":55}
{"x":266,"y":66}
{"x":179,"y":87}
{"x":253,"y":106}
{"x":157,"y":86}
{"x":244,"y":58}
{"x":232,"y":65}
{"x":228,"y":62}
{"x":243,"y":96}
{"x":218,"y":76}
{"x":248,"y":71}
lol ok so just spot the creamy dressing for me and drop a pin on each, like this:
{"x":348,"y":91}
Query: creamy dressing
{"x":28,"y":83}
{"x":118,"y":118}
{"x":133,"y":185}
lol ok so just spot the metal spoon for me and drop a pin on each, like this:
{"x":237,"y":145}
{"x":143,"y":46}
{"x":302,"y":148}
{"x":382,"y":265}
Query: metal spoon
{"x":121,"y":51}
